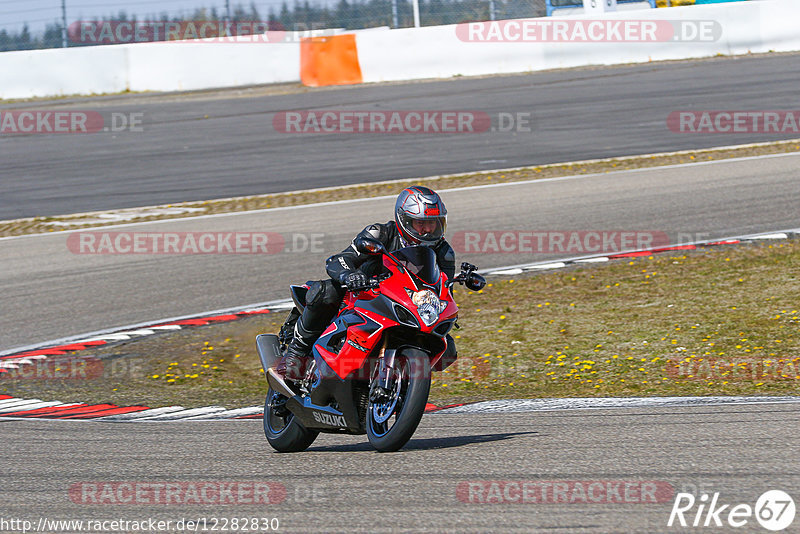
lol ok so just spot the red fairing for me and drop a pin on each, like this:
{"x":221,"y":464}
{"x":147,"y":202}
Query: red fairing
{"x":351,"y":358}
{"x":365,"y":332}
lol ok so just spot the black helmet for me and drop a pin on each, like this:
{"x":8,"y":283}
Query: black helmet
{"x":424,"y":206}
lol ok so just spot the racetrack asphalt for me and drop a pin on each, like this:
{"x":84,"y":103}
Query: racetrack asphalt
{"x":341,"y":485}
{"x":223,"y":143}
{"x":50,"y":291}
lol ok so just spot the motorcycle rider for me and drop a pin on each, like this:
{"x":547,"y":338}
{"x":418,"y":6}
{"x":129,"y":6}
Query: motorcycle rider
{"x":420,"y":218}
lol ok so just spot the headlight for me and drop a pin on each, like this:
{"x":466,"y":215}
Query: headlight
{"x":428,"y":305}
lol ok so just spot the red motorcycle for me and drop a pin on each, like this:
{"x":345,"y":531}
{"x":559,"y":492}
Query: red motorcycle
{"x":371,"y":368}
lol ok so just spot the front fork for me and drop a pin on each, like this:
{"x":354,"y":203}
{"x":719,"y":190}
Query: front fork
{"x":381,"y":388}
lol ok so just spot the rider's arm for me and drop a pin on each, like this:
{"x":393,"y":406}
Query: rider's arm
{"x":446,"y":258}
{"x":349,"y":260}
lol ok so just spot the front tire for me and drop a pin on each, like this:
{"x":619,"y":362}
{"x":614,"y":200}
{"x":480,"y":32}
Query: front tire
{"x":391,"y":422}
{"x":284,"y":432}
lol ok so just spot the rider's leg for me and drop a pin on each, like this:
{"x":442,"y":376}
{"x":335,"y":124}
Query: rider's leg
{"x":322,"y":304}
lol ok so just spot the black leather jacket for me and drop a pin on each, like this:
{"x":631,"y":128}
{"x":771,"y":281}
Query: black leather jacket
{"x":350,"y":259}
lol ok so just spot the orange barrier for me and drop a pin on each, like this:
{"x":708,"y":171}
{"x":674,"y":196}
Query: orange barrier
{"x":331,"y":60}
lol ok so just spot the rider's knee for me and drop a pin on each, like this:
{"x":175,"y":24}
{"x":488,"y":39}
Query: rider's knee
{"x":324,"y":293}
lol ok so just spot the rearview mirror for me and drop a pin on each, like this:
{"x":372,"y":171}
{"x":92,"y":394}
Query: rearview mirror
{"x":366,"y":245}
{"x":475,"y":282}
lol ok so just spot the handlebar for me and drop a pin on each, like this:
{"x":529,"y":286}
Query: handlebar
{"x":372,"y":283}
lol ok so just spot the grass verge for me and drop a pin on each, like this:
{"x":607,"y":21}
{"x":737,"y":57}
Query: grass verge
{"x":717,"y":321}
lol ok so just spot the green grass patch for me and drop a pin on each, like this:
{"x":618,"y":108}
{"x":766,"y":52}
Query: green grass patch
{"x":717,"y":321}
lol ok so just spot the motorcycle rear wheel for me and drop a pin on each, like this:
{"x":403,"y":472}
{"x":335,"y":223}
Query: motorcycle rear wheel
{"x":392,"y":422}
{"x":285,"y":433}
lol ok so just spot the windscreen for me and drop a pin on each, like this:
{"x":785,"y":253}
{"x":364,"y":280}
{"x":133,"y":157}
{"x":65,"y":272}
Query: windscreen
{"x":419,"y":261}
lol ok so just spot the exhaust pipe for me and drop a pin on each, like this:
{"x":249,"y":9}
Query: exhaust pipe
{"x":269,"y":350}
{"x":277,"y":383}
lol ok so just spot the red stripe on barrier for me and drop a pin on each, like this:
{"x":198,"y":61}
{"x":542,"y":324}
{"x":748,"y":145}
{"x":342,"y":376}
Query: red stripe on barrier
{"x":111,"y":411}
{"x":715,"y":243}
{"x":653,"y":251}
{"x":253,"y":312}
{"x":84,"y":409}
{"x":4,"y":397}
{"x":229,"y":317}
{"x":252,"y":416}
{"x":44,"y":411}
{"x":188,"y":322}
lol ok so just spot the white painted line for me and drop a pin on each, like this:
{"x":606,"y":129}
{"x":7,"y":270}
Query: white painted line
{"x":771,"y":236}
{"x":466,"y":188}
{"x":99,"y":334}
{"x":9,"y":401}
{"x":144,"y":413}
{"x":143,"y":332}
{"x":116,"y":337}
{"x":228,"y":414}
{"x":538,"y":405}
{"x":593,"y":260}
{"x":543,"y":266}
{"x":109,"y":334}
{"x":167,"y":327}
{"x":184,"y":413}
{"x":507,"y":272}
{"x":29,"y":405}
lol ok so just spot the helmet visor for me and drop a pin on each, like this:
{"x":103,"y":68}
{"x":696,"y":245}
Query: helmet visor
{"x":425,"y":230}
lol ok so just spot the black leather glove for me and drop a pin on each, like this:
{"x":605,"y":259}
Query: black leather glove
{"x":353,"y":280}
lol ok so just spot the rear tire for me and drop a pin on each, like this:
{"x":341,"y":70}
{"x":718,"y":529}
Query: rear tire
{"x":405,"y":409}
{"x":285,"y":433}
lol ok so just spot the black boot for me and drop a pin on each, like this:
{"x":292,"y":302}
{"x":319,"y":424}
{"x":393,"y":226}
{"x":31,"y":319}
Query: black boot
{"x":298,"y":351}
{"x":295,"y":361}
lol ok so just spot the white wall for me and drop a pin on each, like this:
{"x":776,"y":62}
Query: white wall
{"x":384,"y":55}
{"x":437,"y":52}
{"x":189,"y":66}
{"x":54,"y":72}
{"x":162,"y":66}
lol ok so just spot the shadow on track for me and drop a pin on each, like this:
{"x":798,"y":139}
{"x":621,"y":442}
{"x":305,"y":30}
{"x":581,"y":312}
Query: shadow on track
{"x":426,"y":444}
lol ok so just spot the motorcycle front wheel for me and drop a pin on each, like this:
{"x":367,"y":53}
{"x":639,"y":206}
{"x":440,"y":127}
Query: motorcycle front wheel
{"x":393,"y":418}
{"x":282,"y":429}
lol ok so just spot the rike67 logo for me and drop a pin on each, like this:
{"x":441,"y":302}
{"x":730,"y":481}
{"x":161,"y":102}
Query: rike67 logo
{"x":774,"y":510}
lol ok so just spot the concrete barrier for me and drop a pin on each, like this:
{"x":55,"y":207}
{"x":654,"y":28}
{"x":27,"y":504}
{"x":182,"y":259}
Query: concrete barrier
{"x":389,"y":55}
{"x":187,"y":66}
{"x":438,"y":52}
{"x":159,"y":66}
{"x":56,"y":72}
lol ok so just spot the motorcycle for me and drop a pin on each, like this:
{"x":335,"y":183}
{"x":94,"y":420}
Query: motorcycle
{"x":371,"y":368}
